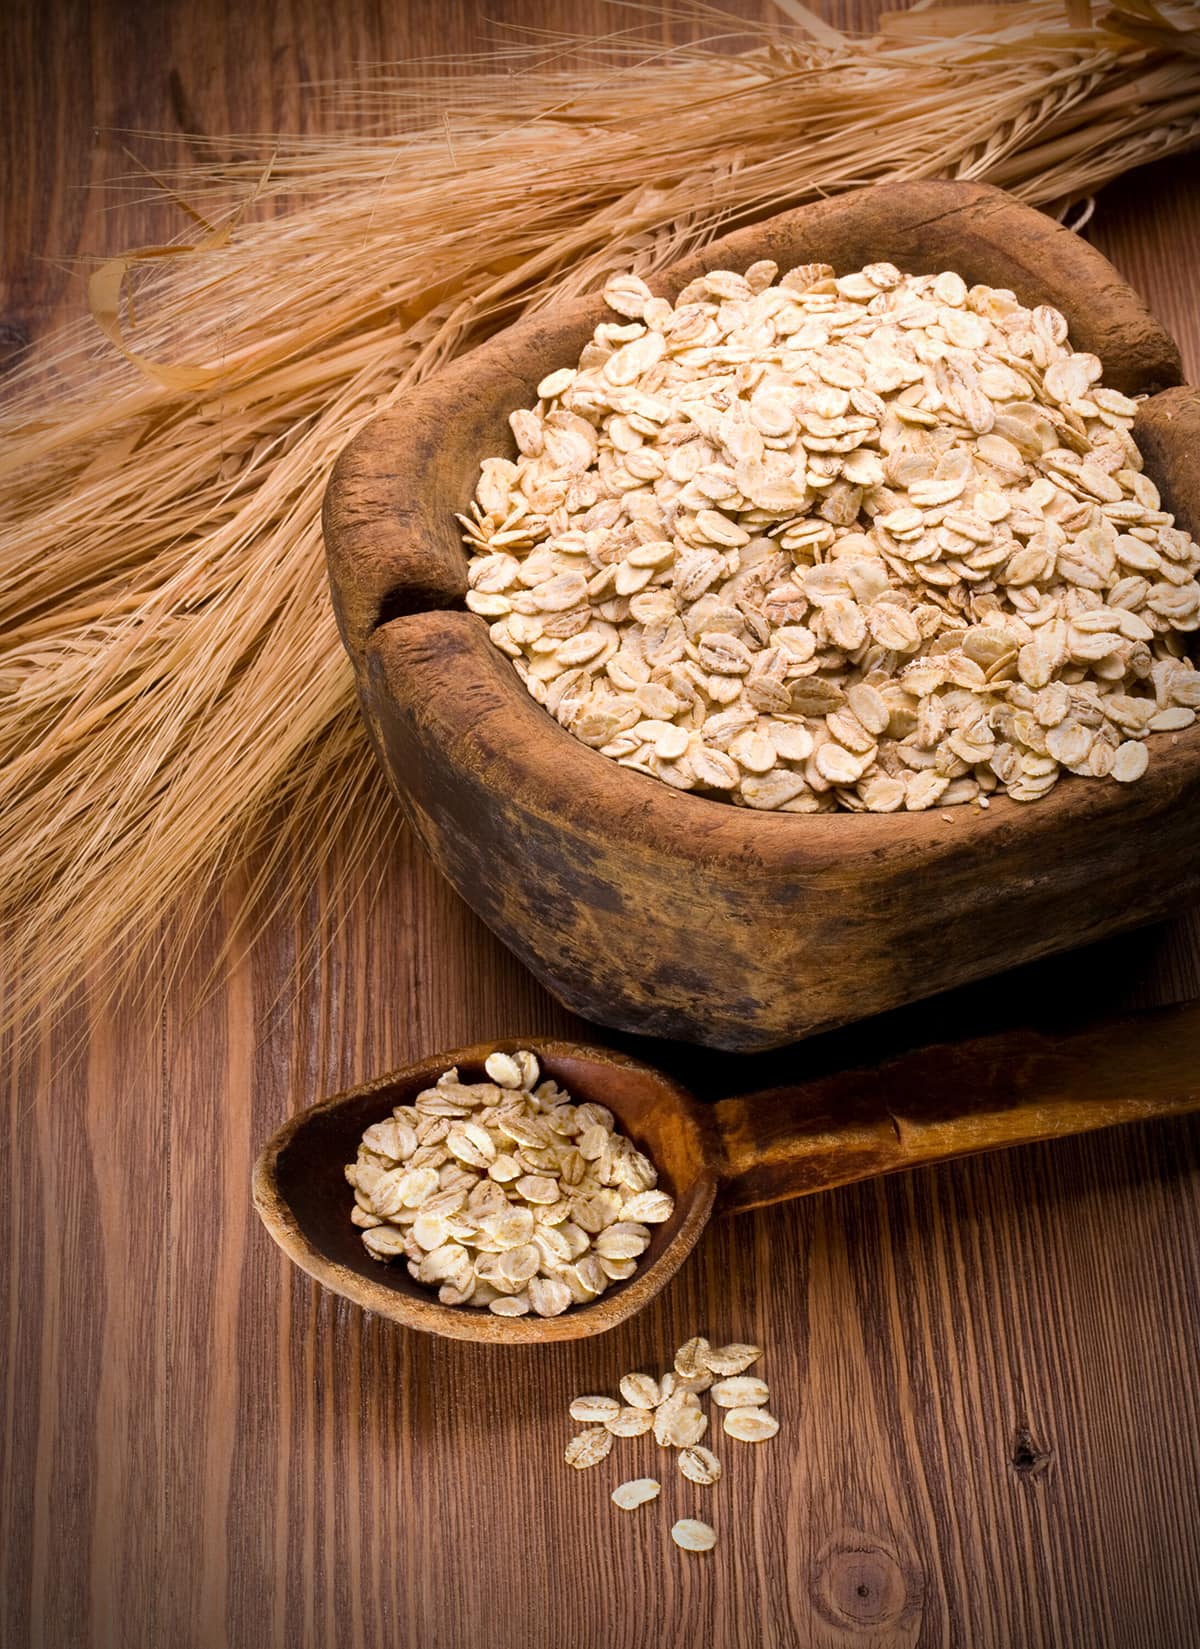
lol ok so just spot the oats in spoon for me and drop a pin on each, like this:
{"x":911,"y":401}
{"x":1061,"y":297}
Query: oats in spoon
{"x":505,"y":1194}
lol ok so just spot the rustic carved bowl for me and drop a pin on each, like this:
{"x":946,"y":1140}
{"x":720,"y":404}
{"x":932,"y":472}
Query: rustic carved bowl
{"x":653,"y":910}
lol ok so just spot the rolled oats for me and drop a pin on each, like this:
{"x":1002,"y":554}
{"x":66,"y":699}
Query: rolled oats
{"x":549,"y":1296}
{"x":694,"y":1382}
{"x":636,"y":1492}
{"x":588,"y":1448}
{"x":648,"y":1207}
{"x":504,"y":1305}
{"x":677,"y":1427}
{"x":506,"y":1196}
{"x":804,"y":544}
{"x":641,"y":1390}
{"x":693,"y":1535}
{"x":699,"y":1465}
{"x":594,"y":1410}
{"x":741,"y":1391}
{"x":630,"y":1422}
{"x":1128,"y":763}
{"x":691,"y":1357}
{"x":384,"y":1242}
{"x":623,"y":1240}
{"x":672,"y":1407}
{"x":731,"y":1359}
{"x":750,"y":1425}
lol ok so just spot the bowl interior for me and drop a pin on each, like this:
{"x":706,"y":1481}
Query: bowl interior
{"x":305,"y":1165}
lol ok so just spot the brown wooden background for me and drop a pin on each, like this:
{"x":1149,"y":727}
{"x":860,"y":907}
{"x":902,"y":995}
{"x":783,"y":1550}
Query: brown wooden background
{"x":988,"y":1374}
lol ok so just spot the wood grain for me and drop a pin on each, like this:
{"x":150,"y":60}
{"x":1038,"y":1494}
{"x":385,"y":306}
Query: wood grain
{"x":987,"y":1371}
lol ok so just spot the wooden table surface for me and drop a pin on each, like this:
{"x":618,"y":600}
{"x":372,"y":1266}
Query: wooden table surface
{"x":987,"y":1373}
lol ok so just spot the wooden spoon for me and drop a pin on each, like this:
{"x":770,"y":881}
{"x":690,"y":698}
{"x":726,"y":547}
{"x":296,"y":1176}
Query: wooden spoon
{"x":924,"y":1106}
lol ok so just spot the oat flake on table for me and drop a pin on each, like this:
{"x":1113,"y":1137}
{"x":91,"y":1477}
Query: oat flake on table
{"x":693,"y":1535}
{"x":671,"y":1407}
{"x":874,"y":542}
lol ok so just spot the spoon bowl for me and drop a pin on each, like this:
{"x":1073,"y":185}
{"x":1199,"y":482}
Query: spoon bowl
{"x":301,"y":1193}
{"x":922,"y":1106}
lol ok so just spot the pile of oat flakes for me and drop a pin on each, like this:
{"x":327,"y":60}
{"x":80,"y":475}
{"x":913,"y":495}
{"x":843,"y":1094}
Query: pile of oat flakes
{"x":874,"y":542}
{"x":505,"y":1193}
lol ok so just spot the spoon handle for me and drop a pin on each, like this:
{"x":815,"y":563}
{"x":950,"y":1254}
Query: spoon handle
{"x":952,"y":1099}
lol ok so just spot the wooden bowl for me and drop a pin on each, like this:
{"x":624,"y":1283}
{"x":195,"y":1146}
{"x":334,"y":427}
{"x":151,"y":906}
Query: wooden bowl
{"x":657,"y":911}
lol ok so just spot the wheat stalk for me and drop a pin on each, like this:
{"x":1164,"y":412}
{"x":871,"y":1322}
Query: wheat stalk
{"x":173,"y":695}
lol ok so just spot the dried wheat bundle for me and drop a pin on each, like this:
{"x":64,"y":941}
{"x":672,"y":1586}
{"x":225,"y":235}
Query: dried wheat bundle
{"x":172,"y":690}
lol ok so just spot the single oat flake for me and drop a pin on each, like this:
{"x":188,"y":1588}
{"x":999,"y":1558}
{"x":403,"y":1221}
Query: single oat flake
{"x":630,"y":1422}
{"x":699,"y":1465}
{"x":750,"y":1425}
{"x":595,"y":1410}
{"x":638,"y":1490}
{"x":731,"y":1359}
{"x":690,"y":1358}
{"x":677,"y":1426}
{"x":641,"y":1390}
{"x":693,"y":1535}
{"x":741,"y":1391}
{"x":588,"y":1448}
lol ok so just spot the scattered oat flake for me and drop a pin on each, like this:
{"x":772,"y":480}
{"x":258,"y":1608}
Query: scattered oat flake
{"x":690,"y":1358}
{"x":594,"y":1409}
{"x":641,"y":1390}
{"x":693,"y":1536}
{"x":630,"y":1422}
{"x":750,"y":1425}
{"x":588,"y":1448}
{"x":636,"y":1492}
{"x":677,"y":1428}
{"x":731,"y":1359}
{"x":699,"y":1465}
{"x":742,"y":1391}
